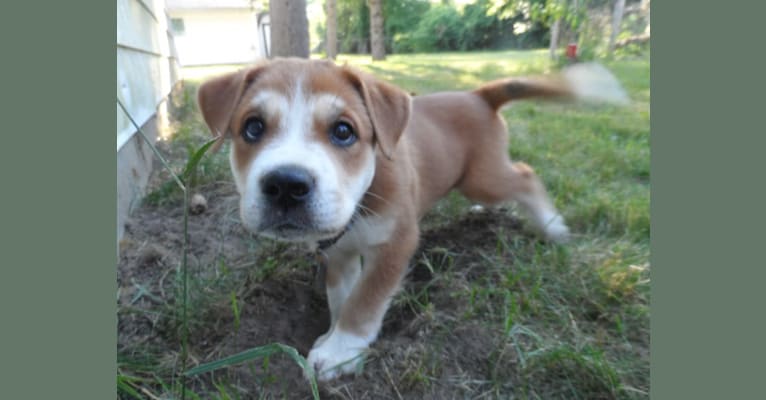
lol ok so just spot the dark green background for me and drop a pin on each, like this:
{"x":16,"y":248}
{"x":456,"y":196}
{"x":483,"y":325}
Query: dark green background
{"x":57,"y":170}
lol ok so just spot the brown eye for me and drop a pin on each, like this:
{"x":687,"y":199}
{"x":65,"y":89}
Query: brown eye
{"x":253,"y":129}
{"x":342,"y":134}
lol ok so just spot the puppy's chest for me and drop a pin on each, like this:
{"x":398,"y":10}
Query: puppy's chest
{"x":367,"y":232}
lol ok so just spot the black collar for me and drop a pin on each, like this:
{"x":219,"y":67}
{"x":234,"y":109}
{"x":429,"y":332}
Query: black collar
{"x":327,"y":243}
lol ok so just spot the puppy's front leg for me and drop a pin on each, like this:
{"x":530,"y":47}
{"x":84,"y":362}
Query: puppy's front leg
{"x":343,"y":270}
{"x":360,"y":317}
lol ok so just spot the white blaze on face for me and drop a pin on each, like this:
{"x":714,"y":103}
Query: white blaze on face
{"x":337,"y":190}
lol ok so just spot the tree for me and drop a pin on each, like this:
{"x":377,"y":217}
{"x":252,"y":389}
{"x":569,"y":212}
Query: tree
{"x":555,"y":29}
{"x":377,"y":39}
{"x":401,"y":17}
{"x":619,"y":9}
{"x":331,"y":11}
{"x":353,"y":23}
{"x":289,"y":28}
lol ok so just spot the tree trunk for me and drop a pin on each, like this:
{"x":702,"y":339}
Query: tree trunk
{"x":332,"y":29}
{"x":377,"y":41}
{"x":555,"y":39}
{"x":289,"y":28}
{"x":619,"y":8}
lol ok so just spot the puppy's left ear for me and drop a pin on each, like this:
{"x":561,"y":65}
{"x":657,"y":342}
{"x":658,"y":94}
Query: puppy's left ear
{"x":218,"y":97}
{"x":388,"y":106}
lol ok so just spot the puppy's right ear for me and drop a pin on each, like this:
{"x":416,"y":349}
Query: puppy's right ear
{"x":218,"y":97}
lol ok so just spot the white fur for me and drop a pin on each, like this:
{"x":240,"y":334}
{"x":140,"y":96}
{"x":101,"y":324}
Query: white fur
{"x":337,"y":190}
{"x":364,"y":235}
{"x":545,"y":217}
{"x":337,"y":295}
{"x":271,"y":102}
{"x":345,"y":256}
{"x":477,"y":209}
{"x":553,"y":226}
{"x":593,"y":82}
{"x":366,"y":232}
{"x":338,"y":353}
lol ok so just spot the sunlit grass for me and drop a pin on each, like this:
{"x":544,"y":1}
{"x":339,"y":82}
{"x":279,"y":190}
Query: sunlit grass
{"x":428,"y":73}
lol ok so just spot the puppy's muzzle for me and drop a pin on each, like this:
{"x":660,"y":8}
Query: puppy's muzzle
{"x":287,"y":188}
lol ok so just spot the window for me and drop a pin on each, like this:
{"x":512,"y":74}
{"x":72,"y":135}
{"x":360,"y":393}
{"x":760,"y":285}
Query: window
{"x":177,"y":26}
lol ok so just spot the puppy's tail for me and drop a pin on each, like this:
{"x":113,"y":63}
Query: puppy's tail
{"x":587,"y":81}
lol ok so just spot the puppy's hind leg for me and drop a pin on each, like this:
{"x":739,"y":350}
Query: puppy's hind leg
{"x":495,"y":183}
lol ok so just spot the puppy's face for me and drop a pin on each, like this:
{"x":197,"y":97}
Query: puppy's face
{"x":303,"y":144}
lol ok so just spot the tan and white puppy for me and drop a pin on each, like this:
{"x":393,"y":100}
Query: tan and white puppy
{"x":335,"y":158}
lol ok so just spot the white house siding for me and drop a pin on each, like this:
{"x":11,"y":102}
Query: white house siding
{"x":146,"y":68}
{"x":146,"y":74}
{"x":217,"y":36}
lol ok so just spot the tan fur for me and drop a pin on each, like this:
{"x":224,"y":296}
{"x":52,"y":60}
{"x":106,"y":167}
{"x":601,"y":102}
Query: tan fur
{"x":425,"y":147}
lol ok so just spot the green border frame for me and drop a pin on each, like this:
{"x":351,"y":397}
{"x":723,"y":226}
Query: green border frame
{"x":58,"y":168}
{"x":58,"y":215}
{"x":707,"y":140}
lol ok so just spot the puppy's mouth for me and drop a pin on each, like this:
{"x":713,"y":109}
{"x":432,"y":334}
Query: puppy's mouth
{"x":301,"y":227}
{"x":299,"y":230}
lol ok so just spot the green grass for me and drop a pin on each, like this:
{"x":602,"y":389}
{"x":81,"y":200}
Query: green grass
{"x":548,"y":321}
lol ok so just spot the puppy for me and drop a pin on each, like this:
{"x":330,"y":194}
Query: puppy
{"x":332,"y":157}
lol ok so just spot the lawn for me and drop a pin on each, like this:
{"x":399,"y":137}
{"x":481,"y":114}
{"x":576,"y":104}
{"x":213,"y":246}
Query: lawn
{"x":488,"y":310}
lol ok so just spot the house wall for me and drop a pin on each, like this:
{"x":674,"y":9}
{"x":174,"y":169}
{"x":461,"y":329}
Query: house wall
{"x":147,"y":71}
{"x":217,"y":36}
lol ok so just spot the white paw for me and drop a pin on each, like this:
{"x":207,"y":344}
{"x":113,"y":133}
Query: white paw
{"x":477,"y":208}
{"x":555,"y":229}
{"x":321,"y":339}
{"x":337,"y":353}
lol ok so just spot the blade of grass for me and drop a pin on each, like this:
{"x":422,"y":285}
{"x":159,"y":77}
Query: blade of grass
{"x":194,"y":159}
{"x":235,"y":310}
{"x":258,"y":353}
{"x":191,"y":166}
{"x":151,"y":145}
{"x":123,"y":384}
{"x":185,"y":278}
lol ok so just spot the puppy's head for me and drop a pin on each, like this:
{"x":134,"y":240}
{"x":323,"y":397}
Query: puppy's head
{"x":304,"y":140}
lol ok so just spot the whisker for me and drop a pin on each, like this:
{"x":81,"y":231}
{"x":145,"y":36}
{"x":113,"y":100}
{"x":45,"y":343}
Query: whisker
{"x":378,"y":196}
{"x":368,"y":210}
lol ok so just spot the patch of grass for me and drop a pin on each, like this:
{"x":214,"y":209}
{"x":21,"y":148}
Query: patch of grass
{"x":261,"y":352}
{"x":428,"y":73}
{"x":188,"y":133}
{"x":571,"y":373}
{"x":588,"y":301}
{"x":216,"y":296}
{"x":594,"y":160}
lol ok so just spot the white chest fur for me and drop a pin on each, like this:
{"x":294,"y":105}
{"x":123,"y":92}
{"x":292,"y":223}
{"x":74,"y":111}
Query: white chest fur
{"x":366,"y":232}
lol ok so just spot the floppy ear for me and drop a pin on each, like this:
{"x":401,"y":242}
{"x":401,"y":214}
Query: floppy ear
{"x":388,"y":106}
{"x":218,"y":97}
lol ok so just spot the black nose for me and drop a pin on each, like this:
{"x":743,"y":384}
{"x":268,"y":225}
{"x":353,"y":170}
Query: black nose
{"x":287,"y":186}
